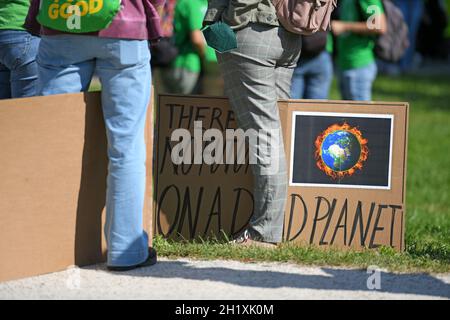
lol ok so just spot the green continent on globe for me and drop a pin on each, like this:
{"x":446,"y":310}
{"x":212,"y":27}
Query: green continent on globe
{"x":340,"y":150}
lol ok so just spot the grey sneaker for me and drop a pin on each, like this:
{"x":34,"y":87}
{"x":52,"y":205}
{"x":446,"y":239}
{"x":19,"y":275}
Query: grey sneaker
{"x":245,"y":239}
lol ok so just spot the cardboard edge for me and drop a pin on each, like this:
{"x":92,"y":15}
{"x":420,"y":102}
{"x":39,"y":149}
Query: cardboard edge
{"x":155,"y":163}
{"x":149,"y":134}
{"x":345,"y":102}
{"x":405,"y":172}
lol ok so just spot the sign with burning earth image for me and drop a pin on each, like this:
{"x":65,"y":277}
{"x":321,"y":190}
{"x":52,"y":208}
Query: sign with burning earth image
{"x":347,"y":165}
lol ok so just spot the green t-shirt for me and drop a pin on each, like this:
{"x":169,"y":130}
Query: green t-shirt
{"x":13,"y":14}
{"x":354,"y":50}
{"x":330,"y":43}
{"x":188,"y":17}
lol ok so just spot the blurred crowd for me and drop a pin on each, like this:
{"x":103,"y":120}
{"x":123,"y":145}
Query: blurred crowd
{"x":184,"y":64}
{"x":182,"y":61}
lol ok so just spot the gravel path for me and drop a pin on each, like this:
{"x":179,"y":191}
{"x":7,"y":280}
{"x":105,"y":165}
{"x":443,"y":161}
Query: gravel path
{"x":187,"y":279}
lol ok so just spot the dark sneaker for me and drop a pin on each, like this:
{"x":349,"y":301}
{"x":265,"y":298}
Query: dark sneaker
{"x":245,"y":239}
{"x":151,"y":260}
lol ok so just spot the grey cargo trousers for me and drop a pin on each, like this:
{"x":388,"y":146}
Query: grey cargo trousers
{"x":256,"y":75}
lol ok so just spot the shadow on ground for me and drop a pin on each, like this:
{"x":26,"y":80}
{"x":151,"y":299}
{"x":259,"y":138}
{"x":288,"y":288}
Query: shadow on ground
{"x":332,"y":279}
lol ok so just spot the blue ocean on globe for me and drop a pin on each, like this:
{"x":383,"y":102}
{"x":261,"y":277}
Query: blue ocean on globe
{"x":340,"y":150}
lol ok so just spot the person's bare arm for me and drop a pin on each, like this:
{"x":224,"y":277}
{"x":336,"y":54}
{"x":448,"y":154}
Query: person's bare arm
{"x":378,"y":27}
{"x":199,"y":43}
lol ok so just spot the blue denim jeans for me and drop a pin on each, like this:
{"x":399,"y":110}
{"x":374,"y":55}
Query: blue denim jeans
{"x":312,"y":78}
{"x":412,"y":11}
{"x":18,"y":69}
{"x":356,"y":84}
{"x":66,"y":64}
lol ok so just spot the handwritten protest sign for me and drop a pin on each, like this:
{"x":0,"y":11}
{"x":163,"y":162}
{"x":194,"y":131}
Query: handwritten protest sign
{"x":197,"y":199}
{"x":347,"y":165}
{"x":347,"y":171}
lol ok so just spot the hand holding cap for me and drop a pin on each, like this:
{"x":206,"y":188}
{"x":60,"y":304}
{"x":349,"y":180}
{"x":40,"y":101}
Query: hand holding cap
{"x":220,"y":37}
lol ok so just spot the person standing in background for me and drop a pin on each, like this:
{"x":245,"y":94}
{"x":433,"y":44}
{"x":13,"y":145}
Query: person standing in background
{"x":355,"y":43}
{"x":164,"y":52}
{"x":447,"y":30}
{"x":447,"y":8}
{"x":167,"y":18}
{"x":412,"y":12}
{"x":119,"y":54}
{"x":314,"y":72}
{"x":431,"y":43}
{"x":18,"y":50}
{"x":183,"y":75}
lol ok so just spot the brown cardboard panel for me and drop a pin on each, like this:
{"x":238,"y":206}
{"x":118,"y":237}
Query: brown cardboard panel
{"x":192,"y":201}
{"x":197,"y":200}
{"x":329,"y":215}
{"x":52,"y":184}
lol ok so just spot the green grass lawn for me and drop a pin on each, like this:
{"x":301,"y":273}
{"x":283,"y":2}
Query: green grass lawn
{"x":428,"y":194}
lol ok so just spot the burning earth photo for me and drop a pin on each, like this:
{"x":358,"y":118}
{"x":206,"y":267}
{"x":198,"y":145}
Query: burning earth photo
{"x":341,"y":150}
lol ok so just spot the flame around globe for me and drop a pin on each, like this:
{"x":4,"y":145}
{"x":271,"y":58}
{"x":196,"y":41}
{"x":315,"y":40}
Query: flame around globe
{"x":341,"y":150}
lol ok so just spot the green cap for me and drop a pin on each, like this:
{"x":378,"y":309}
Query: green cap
{"x":220,"y":37}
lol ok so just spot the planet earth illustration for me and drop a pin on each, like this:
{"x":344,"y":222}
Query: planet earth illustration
{"x":341,"y":150}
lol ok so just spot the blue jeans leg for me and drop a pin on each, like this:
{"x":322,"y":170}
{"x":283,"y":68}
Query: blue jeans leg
{"x":312,"y":77}
{"x":5,"y":82}
{"x":298,"y":83}
{"x":356,"y":84}
{"x":126,"y":79}
{"x":412,"y":11}
{"x":124,"y":70}
{"x":18,"y":68}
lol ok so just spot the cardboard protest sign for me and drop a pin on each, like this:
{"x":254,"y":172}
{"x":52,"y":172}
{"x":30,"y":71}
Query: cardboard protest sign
{"x":347,"y":164}
{"x":53,"y":168}
{"x":197,"y":200}
{"x":347,"y":171}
